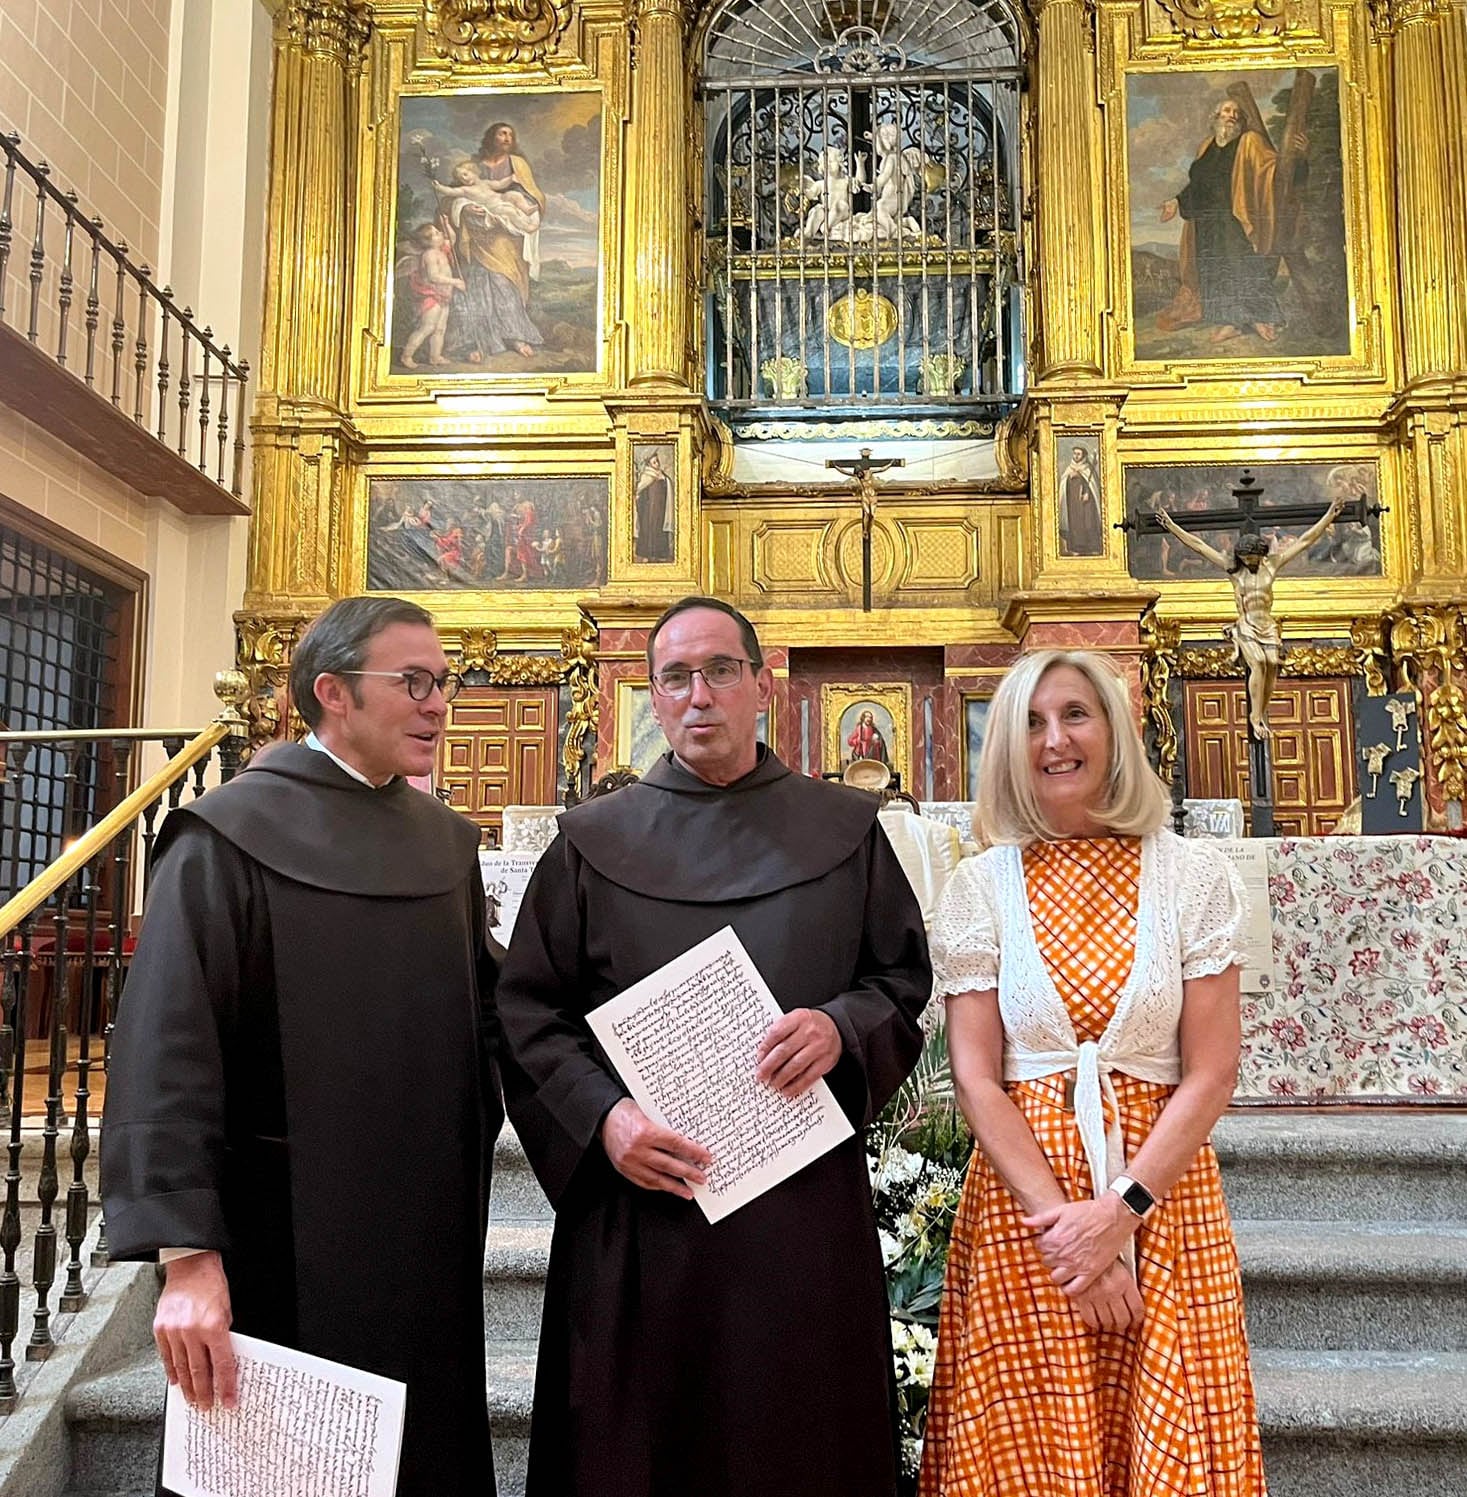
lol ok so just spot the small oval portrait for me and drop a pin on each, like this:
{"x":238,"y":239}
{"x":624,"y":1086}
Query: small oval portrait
{"x":866,"y":732}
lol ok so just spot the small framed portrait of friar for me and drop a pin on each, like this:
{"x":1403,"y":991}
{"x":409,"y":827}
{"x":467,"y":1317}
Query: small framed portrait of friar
{"x":868,"y":722}
{"x":654,"y":502}
{"x":1077,"y":494}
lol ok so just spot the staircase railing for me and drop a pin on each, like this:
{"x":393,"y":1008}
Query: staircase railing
{"x":95,"y":313}
{"x":65,"y":940}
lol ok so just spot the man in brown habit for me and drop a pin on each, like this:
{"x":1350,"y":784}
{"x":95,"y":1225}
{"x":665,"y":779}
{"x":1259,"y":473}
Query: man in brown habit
{"x":302,"y":1098}
{"x":752,"y":1357}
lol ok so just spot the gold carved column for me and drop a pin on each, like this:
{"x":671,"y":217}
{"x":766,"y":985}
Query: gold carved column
{"x":1428,"y":86}
{"x":658,"y":292}
{"x":1426,"y":43}
{"x":1069,"y":259}
{"x":300,"y":425}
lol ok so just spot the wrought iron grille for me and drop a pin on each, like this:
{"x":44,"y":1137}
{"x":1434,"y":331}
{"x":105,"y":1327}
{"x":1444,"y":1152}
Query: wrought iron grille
{"x":862,"y":241}
{"x":64,"y":643}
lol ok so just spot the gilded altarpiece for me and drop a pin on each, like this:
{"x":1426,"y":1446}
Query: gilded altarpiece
{"x":1048,"y":322}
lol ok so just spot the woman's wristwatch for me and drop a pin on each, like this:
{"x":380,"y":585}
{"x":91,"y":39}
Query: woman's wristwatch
{"x":1134,"y":1195}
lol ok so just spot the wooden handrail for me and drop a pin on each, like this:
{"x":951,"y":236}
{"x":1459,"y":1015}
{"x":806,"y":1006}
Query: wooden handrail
{"x":88,"y":846}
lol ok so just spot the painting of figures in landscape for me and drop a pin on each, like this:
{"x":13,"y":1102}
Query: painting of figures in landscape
{"x":497,"y":234}
{"x":1346,"y":549}
{"x":517,"y":534}
{"x":1237,"y":214}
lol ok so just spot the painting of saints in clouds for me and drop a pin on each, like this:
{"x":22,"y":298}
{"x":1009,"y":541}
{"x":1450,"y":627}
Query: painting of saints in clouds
{"x":1237,"y":214}
{"x":497,"y":238}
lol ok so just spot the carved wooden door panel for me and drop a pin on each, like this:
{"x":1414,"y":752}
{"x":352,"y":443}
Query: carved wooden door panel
{"x":499,"y":750}
{"x":1313,"y":750}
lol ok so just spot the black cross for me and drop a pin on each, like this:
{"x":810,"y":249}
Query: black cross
{"x":1247,"y":512}
{"x":863,"y":469}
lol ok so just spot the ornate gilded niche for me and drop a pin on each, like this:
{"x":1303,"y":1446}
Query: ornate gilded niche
{"x":862,"y":255}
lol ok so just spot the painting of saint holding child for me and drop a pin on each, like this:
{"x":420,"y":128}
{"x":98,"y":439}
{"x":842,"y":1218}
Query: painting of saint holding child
{"x":497,"y":234}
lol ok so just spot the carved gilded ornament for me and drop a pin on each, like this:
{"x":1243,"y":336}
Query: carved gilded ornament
{"x":1368,"y":638}
{"x":1160,"y":639}
{"x":861,"y":320}
{"x":1220,"y":662}
{"x":578,"y":647}
{"x":502,"y":32}
{"x":335,"y":29}
{"x":264,"y":647}
{"x":1391,"y":16}
{"x":1229,"y":20}
{"x":477,"y":647}
{"x":1429,"y":645}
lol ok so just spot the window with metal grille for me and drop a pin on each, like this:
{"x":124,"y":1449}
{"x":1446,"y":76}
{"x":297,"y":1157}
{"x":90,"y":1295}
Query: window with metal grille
{"x":65,"y":650}
{"x":862,"y":241}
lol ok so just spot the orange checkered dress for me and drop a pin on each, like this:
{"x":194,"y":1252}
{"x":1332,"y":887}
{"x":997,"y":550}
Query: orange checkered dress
{"x":1026,"y":1400}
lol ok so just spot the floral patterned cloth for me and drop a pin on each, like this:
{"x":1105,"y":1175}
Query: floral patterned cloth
{"x":1370,"y":953}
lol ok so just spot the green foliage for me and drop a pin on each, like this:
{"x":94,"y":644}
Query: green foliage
{"x":918,"y":1151}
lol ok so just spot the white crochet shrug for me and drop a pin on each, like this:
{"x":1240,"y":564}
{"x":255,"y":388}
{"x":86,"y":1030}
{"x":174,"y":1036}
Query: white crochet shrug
{"x":1188,"y":924}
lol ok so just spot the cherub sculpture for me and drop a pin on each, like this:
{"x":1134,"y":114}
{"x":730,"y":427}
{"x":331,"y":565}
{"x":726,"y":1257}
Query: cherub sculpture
{"x":899,"y":175}
{"x":829,"y":193}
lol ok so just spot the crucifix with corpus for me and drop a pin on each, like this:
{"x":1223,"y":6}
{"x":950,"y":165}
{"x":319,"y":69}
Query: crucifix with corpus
{"x":1252,"y":569}
{"x":864,"y":470}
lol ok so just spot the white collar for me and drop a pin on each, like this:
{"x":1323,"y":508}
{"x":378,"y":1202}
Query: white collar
{"x":312,"y":742}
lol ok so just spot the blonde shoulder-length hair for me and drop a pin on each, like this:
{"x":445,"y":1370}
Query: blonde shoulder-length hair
{"x":1136,"y":800}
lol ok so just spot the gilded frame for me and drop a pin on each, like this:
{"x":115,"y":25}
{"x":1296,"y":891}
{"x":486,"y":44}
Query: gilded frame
{"x":1124,"y":57}
{"x":894,"y":697}
{"x":967,"y":769}
{"x":631,"y":693}
{"x":1306,"y":606}
{"x":378,"y":131}
{"x":530,"y":608}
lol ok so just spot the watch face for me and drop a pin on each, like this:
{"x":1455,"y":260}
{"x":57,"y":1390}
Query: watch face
{"x":1138,"y":1198}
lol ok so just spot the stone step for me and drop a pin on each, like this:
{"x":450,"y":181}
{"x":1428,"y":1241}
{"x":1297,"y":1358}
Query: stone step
{"x":516,"y":1194}
{"x":1339,"y":1424}
{"x":1336,"y":1166}
{"x":515,"y":1260}
{"x":114,"y":1420}
{"x":511,"y":1366}
{"x":1346,"y":1286}
{"x":1335,"y":1424}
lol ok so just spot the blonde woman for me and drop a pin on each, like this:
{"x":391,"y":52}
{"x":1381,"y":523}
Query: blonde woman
{"x":1091,"y":1341}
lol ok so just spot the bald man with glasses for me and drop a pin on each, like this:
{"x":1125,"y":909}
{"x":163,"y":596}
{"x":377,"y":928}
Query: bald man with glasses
{"x":752,"y":1357}
{"x":302,"y":1096}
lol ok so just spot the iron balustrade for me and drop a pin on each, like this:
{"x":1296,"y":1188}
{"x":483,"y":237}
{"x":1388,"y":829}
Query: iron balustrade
{"x":862,"y":237}
{"x":137,"y":348}
{"x":66,"y":942}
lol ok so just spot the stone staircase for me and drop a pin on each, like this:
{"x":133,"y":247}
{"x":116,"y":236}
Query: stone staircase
{"x":1352,"y":1230}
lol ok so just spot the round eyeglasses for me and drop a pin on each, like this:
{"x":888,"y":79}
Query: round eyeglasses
{"x":419,"y":681}
{"x":719,"y":675}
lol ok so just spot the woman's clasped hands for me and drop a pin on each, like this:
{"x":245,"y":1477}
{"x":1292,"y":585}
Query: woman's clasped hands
{"x":1081,"y":1243}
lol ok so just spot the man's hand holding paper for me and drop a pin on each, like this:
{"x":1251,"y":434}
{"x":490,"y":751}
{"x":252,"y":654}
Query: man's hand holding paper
{"x":650,"y":1155}
{"x":705,"y":1052}
{"x":800,"y":1047}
